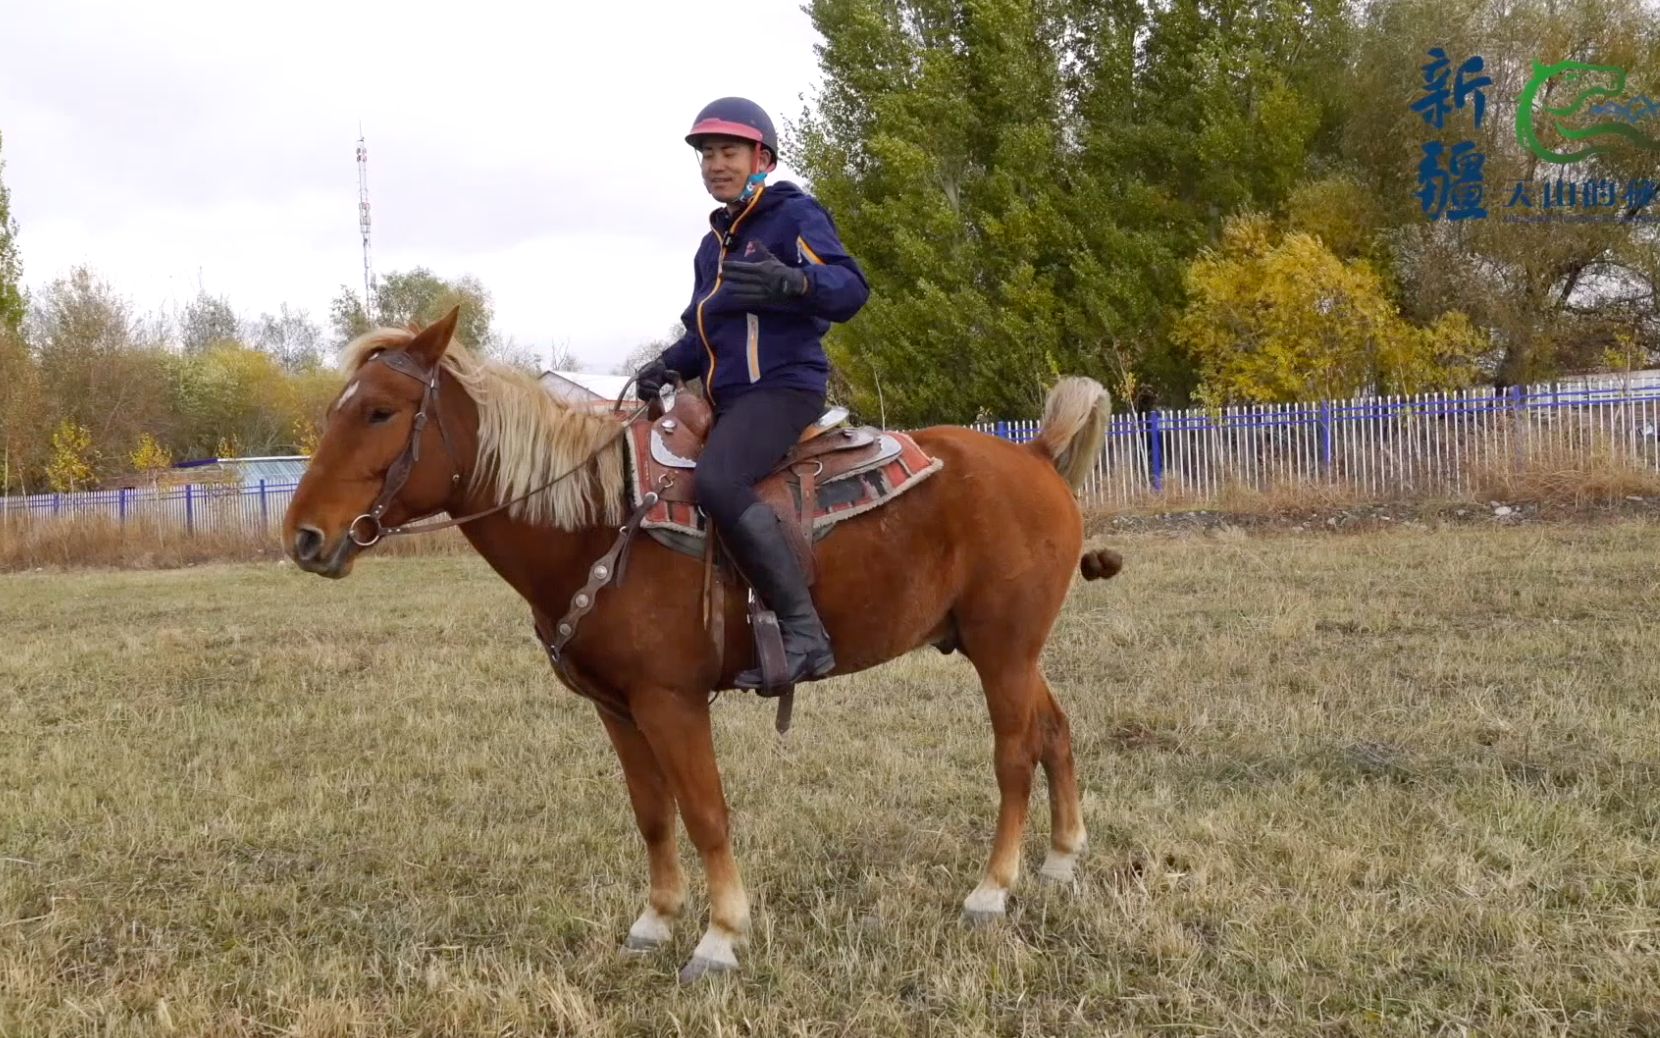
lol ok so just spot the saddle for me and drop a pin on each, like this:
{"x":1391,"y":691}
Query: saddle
{"x":834,"y":472}
{"x":831,"y":474}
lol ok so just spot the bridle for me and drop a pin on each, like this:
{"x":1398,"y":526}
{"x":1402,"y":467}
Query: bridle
{"x":396,"y":476}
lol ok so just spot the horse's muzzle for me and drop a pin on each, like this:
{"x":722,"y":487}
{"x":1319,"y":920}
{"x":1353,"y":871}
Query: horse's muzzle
{"x":308,"y":552}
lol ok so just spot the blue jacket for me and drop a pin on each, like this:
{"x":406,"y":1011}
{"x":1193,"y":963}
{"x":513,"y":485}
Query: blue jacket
{"x":734,"y":351}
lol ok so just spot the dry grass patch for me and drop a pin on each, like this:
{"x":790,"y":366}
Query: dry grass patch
{"x":1391,"y":784}
{"x":97,"y":542}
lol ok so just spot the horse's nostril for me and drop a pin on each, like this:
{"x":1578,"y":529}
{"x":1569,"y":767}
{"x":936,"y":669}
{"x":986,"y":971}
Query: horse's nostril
{"x":308,"y":543}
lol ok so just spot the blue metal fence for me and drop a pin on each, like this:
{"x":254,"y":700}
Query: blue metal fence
{"x":1438,"y":443}
{"x":192,"y":507}
{"x":1435,"y":443}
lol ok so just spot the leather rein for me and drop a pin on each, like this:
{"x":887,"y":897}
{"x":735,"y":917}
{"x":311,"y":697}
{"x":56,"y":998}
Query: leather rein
{"x":396,"y":476}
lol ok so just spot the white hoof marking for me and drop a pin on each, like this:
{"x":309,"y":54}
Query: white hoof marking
{"x":716,"y":949}
{"x":651,"y":929}
{"x":1058,"y":867}
{"x":986,"y":900}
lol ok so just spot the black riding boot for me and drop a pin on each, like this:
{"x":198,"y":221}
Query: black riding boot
{"x":757,"y":544}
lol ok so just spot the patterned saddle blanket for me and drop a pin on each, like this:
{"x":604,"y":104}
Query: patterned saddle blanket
{"x":831,"y":475}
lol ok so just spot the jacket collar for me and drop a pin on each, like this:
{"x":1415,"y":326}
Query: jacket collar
{"x":766,"y":197}
{"x":724,"y":218}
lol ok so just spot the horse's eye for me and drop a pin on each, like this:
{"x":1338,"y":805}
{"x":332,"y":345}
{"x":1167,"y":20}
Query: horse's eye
{"x":381,"y":415}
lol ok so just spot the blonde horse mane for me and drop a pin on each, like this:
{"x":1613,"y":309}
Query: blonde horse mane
{"x":526,"y":437}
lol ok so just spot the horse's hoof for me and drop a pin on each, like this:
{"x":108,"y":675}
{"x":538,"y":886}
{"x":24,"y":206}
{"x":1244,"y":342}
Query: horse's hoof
{"x":701,"y":967}
{"x":636,"y":947}
{"x":1060,"y":867}
{"x":977,"y":919}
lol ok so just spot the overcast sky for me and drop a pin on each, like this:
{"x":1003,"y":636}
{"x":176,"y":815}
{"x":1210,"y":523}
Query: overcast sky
{"x":539,"y":147}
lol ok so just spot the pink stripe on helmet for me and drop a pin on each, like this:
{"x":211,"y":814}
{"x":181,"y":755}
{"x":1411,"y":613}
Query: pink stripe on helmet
{"x":724,"y":128}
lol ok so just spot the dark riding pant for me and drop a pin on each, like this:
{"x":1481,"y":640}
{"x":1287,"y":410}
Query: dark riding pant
{"x":750,"y":437}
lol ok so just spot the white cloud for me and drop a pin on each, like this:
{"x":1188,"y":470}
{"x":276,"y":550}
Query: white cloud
{"x":539,"y":149}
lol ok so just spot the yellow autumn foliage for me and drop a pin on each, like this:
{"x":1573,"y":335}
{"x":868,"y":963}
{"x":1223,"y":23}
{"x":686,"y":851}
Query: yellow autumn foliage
{"x":73,"y":457}
{"x":1275,"y":317}
{"x":151,"y":457}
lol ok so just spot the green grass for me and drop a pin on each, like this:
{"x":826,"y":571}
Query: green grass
{"x":1384,"y":784}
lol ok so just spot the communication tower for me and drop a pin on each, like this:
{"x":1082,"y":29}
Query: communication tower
{"x":363,"y":224}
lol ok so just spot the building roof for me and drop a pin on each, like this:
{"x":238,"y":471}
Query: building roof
{"x":572,"y":384}
{"x":1647,"y":377}
{"x":274,"y":470}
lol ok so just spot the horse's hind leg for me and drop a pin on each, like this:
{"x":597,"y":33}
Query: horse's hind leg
{"x":1067,"y":837}
{"x":1012,"y":684}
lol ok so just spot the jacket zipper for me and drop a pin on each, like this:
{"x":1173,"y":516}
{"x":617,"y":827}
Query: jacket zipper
{"x":720,"y":264}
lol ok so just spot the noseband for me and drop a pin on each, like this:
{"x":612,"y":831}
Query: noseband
{"x":396,"y":476}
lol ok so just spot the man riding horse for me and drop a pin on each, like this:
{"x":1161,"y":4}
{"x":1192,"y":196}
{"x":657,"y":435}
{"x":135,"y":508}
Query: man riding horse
{"x":977,"y":558}
{"x":770,"y":277}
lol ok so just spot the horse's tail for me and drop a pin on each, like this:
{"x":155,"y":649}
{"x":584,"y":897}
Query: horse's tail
{"x":1074,"y":427}
{"x":1100,"y":564}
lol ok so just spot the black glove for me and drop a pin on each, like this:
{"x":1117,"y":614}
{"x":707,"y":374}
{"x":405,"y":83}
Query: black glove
{"x":648,"y":381}
{"x":762,"y":280}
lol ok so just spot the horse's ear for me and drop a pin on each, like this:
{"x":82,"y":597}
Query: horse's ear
{"x":430,"y":343}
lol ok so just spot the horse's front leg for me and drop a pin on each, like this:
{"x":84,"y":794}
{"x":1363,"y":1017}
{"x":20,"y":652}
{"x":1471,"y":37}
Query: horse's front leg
{"x":677,"y":727}
{"x":648,"y":789}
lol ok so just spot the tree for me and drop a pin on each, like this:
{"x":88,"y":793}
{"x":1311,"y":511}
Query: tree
{"x":932,"y":117}
{"x":73,"y":458}
{"x":24,"y":426}
{"x":1022,"y":180}
{"x":11,"y":265}
{"x":1278,"y":318}
{"x":347,"y":318}
{"x":291,"y":337}
{"x":640,"y":355}
{"x":97,"y":367}
{"x":208,"y":321}
{"x":505,"y":349}
{"x":420,"y":297}
{"x":1345,"y":217}
{"x":1555,"y":296}
{"x":313,"y":392}
{"x":236,"y":399}
{"x":305,"y":435}
{"x":151,"y":458}
{"x":561,"y":357}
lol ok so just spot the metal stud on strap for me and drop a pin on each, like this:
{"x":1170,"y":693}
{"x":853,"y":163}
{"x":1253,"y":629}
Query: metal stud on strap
{"x":600,"y":574}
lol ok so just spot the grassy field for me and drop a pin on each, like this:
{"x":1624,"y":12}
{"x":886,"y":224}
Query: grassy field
{"x":1396,"y":783}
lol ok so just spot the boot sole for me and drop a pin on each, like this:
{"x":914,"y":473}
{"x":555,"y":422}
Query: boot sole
{"x":820,"y":668}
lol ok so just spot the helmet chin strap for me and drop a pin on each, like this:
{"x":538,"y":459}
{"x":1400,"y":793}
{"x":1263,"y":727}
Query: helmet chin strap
{"x":757,"y":177}
{"x":755,"y":181}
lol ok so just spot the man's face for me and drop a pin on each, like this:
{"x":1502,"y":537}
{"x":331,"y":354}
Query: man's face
{"x":727,"y":163}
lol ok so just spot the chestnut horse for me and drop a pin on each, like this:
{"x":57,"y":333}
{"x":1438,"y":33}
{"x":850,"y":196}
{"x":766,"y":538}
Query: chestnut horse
{"x":978,"y":557}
